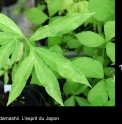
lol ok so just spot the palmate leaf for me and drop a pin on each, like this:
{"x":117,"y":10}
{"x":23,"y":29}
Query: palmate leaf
{"x":5,"y":52}
{"x":62,"y":65}
{"x":7,"y":25}
{"x":20,"y":77}
{"x":61,"y":25}
{"x":48,"y":80}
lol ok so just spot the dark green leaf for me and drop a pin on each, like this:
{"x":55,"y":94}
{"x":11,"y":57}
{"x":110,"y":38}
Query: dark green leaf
{"x":70,"y":101}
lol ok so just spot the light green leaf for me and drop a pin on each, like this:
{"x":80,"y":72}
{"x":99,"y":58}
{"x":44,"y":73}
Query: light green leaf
{"x":6,"y":78}
{"x":110,"y":103}
{"x":103,"y":9}
{"x":90,"y":39}
{"x":5,"y":51}
{"x":60,"y":26}
{"x":70,"y":101}
{"x":53,"y":6}
{"x":110,"y":50}
{"x":1,"y":72}
{"x":98,"y":94}
{"x":110,"y":85}
{"x":62,"y":65}
{"x":56,"y":49}
{"x":82,"y":101}
{"x":48,"y":80}
{"x":20,"y":77}
{"x":36,"y":16}
{"x":109,"y":29}
{"x":70,"y":87}
{"x":7,"y":37}
{"x":90,"y":67}
{"x":7,"y":25}
{"x":15,"y":52}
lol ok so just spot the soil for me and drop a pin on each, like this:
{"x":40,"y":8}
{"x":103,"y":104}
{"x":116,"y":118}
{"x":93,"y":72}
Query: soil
{"x":22,"y":100}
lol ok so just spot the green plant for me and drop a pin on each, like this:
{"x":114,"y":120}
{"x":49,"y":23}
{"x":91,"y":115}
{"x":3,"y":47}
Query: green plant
{"x":39,"y":59}
{"x":89,"y":79}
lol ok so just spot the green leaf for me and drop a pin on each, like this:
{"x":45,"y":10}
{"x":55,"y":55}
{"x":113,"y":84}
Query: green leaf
{"x":7,"y":37}
{"x":70,"y":87}
{"x":103,"y":9}
{"x":1,"y":72}
{"x":100,"y":59}
{"x":15,"y":52}
{"x":73,"y":43}
{"x":81,"y":89}
{"x":48,"y":80}
{"x":54,"y":6}
{"x":14,"y":69}
{"x":5,"y":51}
{"x":82,"y":101}
{"x":109,"y":29}
{"x":90,"y":51}
{"x":36,"y":16}
{"x":62,"y":65}
{"x":98,"y":94}
{"x":56,"y":49}
{"x":60,"y":26}
{"x":90,"y":67}
{"x":90,"y":39}
{"x":6,"y":78}
{"x":110,"y":103}
{"x":35,"y":80}
{"x":70,"y":101}
{"x":110,"y":85}
{"x":108,"y":71}
{"x":110,"y":50}
{"x":7,"y":25}
{"x":54,"y":41}
{"x":20,"y":77}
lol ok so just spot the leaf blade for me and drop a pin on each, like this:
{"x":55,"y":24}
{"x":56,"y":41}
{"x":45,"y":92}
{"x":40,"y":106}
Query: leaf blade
{"x":7,"y":25}
{"x":48,"y":80}
{"x":90,"y":39}
{"x":22,"y":74}
{"x":5,"y":51}
{"x":60,"y":26}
